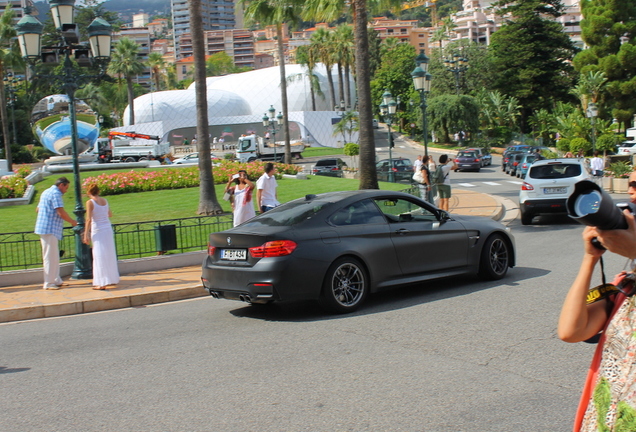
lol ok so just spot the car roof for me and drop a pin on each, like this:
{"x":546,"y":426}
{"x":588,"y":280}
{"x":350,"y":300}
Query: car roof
{"x":559,"y":160}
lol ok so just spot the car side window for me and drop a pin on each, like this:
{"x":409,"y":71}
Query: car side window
{"x":402,"y":210}
{"x":359,"y":213}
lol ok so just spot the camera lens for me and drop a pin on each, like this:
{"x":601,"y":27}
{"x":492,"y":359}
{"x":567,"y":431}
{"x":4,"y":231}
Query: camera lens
{"x":588,"y":203}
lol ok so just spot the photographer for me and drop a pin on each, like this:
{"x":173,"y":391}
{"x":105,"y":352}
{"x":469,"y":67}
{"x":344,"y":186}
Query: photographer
{"x":608,"y":401}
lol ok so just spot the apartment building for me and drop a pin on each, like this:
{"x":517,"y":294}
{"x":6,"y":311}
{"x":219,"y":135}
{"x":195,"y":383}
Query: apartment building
{"x":238,"y":44}
{"x":405,"y":30}
{"x":141,"y":36}
{"x":216,"y":15}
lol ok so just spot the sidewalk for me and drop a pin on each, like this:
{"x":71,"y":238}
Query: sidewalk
{"x":23,"y":302}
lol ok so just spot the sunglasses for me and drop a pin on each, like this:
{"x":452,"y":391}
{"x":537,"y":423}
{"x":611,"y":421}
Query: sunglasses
{"x":632,"y":184}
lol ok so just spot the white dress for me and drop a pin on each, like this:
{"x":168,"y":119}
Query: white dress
{"x":243,"y":211}
{"x":105,"y":271}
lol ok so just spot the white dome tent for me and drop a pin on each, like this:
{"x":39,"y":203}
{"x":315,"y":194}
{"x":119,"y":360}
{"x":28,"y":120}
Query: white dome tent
{"x":236,"y":105}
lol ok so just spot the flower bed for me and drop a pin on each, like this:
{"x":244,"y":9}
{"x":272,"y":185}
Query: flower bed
{"x":177,"y":178}
{"x":15,"y":186}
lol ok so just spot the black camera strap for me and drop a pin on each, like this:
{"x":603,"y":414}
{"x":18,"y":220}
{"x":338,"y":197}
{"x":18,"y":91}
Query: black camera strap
{"x":626,"y":286}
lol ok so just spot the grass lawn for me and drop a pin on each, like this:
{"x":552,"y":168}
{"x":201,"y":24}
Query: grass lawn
{"x":165,"y":204}
{"x":322,"y":151}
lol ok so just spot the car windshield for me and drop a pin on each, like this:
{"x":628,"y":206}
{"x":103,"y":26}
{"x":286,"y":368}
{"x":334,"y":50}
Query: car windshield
{"x":289,"y":214}
{"x":555,"y":171}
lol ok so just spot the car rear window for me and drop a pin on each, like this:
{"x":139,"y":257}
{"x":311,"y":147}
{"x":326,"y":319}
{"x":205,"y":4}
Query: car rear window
{"x":467,"y":154}
{"x":555,"y":171}
{"x":326,"y":162}
{"x":290,"y":213}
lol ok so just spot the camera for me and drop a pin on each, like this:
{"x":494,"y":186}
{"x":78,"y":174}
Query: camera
{"x":591,"y":205}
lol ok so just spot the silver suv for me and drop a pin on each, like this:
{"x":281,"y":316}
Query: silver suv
{"x":548,"y":184}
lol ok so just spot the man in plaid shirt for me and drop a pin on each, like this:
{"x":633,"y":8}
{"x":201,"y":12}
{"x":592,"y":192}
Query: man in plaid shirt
{"x":49,"y":225}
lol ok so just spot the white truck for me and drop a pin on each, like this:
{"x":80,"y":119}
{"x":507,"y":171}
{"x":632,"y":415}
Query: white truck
{"x":132,"y":147}
{"x":254,"y":147}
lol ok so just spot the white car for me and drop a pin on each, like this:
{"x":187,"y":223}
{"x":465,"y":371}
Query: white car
{"x":192,"y":158}
{"x":548,"y":184}
{"x":627,"y":148}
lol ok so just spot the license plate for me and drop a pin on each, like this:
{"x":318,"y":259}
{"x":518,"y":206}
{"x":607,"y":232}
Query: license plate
{"x":465,"y":165}
{"x":233,"y":254}
{"x":554,"y":190}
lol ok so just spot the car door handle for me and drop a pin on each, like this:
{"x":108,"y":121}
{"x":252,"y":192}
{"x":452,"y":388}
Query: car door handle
{"x":402,"y":231}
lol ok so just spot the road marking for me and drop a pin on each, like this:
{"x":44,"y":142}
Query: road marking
{"x":515,"y":182}
{"x":466,"y":184}
{"x":492,"y":183}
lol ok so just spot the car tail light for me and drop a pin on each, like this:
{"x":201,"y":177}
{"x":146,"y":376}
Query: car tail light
{"x":211,"y":249}
{"x":515,"y":163}
{"x":334,"y":169}
{"x":527,"y":186}
{"x":524,"y":166}
{"x":476,"y":160}
{"x":275,"y":248}
{"x":394,"y":169}
{"x":457,"y":160}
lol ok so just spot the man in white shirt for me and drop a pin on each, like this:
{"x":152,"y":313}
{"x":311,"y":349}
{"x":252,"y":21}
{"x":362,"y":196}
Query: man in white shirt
{"x":597,"y":165}
{"x":417,"y":165}
{"x":266,"y":195}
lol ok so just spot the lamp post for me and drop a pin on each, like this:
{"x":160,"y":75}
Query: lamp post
{"x":388,"y":108}
{"x":29,"y":31}
{"x":457,"y":66}
{"x":11,"y":82}
{"x":272,"y":121}
{"x":592,"y":113}
{"x":422,"y":83}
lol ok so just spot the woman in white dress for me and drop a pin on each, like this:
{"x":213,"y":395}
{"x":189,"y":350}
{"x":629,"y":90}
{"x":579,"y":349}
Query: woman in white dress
{"x":99,"y":230}
{"x":242,"y":204}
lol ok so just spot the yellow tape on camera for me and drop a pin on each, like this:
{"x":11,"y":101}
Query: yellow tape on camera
{"x":600,"y":292}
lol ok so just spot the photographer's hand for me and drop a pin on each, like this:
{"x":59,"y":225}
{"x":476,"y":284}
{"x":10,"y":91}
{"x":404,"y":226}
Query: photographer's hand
{"x":621,"y":242}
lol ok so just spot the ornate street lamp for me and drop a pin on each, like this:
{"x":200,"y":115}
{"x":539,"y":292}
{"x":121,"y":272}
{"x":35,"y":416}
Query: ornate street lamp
{"x":275,"y":122}
{"x":457,"y":66}
{"x":422,"y":83}
{"x":29,"y":31}
{"x":388,"y":108}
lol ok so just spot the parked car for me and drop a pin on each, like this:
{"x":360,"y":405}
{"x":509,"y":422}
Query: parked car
{"x":525,"y":163}
{"x":402,"y":169}
{"x":192,"y":158}
{"x":627,"y":148}
{"x":467,"y":160}
{"x":548,"y":184}
{"x":329,"y":167}
{"x":513,"y":149}
{"x":339,"y":247}
{"x":513,"y":162}
{"x":486,"y":158}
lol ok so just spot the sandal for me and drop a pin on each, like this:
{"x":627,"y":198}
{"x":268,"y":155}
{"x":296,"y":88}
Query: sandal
{"x":99,"y":288}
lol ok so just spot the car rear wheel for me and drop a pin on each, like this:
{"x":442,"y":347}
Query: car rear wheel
{"x":495,"y":258}
{"x":526,"y":218}
{"x":345,"y":286}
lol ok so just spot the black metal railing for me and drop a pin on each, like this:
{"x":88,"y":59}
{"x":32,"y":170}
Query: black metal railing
{"x":19,"y":251}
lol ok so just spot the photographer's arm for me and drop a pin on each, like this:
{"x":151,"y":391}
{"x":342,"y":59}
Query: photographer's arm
{"x":580,"y":321}
{"x":621,"y":242}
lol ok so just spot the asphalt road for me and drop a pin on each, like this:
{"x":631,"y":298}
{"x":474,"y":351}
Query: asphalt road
{"x":453,"y":355}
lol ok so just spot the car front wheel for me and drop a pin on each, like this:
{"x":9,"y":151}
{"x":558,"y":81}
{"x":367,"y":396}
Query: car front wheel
{"x":495,"y":258}
{"x":345,"y":286}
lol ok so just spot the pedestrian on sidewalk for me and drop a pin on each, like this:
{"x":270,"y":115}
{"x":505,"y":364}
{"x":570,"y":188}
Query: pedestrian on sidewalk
{"x":442,"y":181}
{"x":99,"y":231}
{"x":49,"y":226}
{"x":597,"y":165}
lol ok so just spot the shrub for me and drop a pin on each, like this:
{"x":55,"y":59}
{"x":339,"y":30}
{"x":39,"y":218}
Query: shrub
{"x":607,"y":142}
{"x":563,"y":145}
{"x":23,"y":171}
{"x":352,"y":149}
{"x":12,"y":187}
{"x":577,"y":144}
{"x":620,"y":169}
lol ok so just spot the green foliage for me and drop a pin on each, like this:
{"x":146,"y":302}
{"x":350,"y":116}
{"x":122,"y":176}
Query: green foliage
{"x":577,"y":144}
{"x":526,"y":66}
{"x":347,"y":125}
{"x":12,"y":187}
{"x":498,"y":115}
{"x":221,"y":64}
{"x":603,"y":26}
{"x":608,"y":142}
{"x":563,"y":145}
{"x":620,"y":169}
{"x":351,"y":149}
{"x":449,"y":114}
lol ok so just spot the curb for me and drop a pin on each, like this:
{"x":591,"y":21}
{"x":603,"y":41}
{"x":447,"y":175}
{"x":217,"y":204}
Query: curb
{"x":96,"y":305}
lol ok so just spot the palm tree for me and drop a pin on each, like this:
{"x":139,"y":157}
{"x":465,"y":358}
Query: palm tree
{"x":124,"y":62}
{"x":324,"y":42}
{"x":157,"y":64}
{"x":276,"y":12}
{"x":8,"y":56}
{"x":306,"y":57}
{"x":344,"y":50}
{"x":208,"y":202}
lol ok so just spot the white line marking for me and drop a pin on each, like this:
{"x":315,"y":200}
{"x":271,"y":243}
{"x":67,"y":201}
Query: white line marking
{"x":515,"y":182}
{"x":466,"y":184}
{"x":492,"y":183}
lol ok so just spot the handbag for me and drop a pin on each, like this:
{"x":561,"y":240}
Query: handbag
{"x":227,"y":196}
{"x":418,"y":177}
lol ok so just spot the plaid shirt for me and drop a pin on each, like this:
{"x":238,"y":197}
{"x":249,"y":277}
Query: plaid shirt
{"x":48,"y":221}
